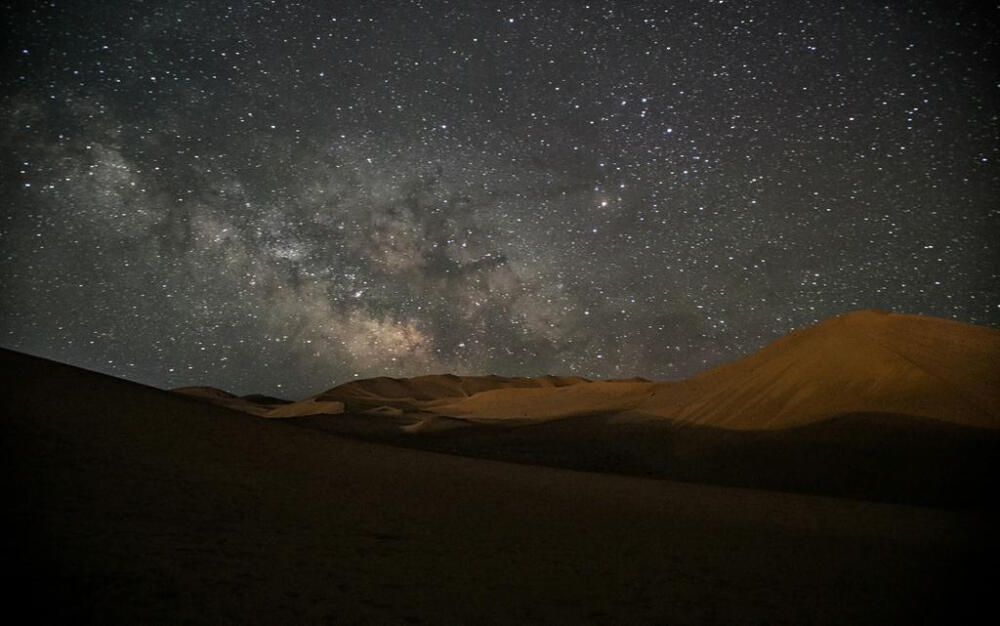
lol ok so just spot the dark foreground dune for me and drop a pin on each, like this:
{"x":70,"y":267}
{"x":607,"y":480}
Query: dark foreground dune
{"x":126,"y":504}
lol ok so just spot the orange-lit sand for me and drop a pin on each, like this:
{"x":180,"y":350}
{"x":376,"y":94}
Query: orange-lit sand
{"x":862,"y":362}
{"x":872,"y":405}
{"x":865,"y":362}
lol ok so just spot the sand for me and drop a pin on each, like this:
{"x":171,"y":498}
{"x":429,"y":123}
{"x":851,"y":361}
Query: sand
{"x":872,"y":405}
{"x":868,"y":362}
{"x":126,"y":504}
{"x":865,"y":362}
{"x":262,"y":406}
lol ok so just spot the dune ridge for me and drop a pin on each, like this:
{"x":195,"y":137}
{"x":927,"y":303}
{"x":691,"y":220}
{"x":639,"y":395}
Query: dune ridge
{"x":381,"y":395}
{"x":868,"y":361}
{"x":260,"y":405}
{"x":415,"y":392}
{"x":860,"y":362}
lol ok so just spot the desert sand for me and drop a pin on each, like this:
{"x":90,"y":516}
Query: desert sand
{"x":864,"y":362}
{"x":873,"y":405}
{"x":128,"y":504}
{"x":262,"y":406}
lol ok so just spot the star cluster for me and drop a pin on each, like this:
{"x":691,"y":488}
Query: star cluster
{"x":279,"y":196}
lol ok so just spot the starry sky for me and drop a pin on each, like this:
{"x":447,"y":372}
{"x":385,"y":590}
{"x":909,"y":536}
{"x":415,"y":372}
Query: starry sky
{"x":276,"y":197}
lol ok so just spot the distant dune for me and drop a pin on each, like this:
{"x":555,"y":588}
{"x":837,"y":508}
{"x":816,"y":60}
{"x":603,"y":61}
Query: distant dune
{"x":426,"y":391}
{"x":220,"y":397}
{"x":260,"y":405}
{"x":548,"y":403}
{"x":864,"y":362}
{"x":378,"y":396}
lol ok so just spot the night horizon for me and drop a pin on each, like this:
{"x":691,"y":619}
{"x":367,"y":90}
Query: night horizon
{"x":276,"y":198}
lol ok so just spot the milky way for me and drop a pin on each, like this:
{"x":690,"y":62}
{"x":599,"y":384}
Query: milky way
{"x":279,"y":196}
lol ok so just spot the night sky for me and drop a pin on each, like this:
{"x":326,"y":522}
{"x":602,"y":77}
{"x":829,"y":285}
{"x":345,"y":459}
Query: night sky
{"x":280,"y":196}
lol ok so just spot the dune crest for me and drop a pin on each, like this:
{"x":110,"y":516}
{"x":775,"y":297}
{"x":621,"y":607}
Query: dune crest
{"x":550,"y":403}
{"x":856,"y":363}
{"x":868,"y":361}
{"x":262,"y":406}
{"x":423,"y":392}
{"x":222,"y":398}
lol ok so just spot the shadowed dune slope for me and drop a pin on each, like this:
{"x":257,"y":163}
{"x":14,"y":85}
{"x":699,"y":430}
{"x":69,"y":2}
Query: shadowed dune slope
{"x":260,"y":405}
{"x":421,"y":391}
{"x":218,"y":397}
{"x":208,"y":393}
{"x":873,"y":456}
{"x":124,"y":504}
{"x":258,"y":398}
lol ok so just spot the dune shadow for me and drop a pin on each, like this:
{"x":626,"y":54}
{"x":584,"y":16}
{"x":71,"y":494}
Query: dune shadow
{"x":871,"y":456}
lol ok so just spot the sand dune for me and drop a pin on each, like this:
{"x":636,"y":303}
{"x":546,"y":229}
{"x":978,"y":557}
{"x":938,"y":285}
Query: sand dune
{"x":383,"y":396}
{"x":260,"y":405}
{"x":258,"y":398}
{"x":208,"y":393}
{"x":377,"y":396}
{"x":872,"y":456}
{"x":124,"y":504}
{"x":868,"y":361}
{"x":423,"y":391}
{"x":870,"y":405}
{"x":219,"y":397}
{"x":549,"y":403}
{"x":314,"y":406}
{"x":864,"y":362}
